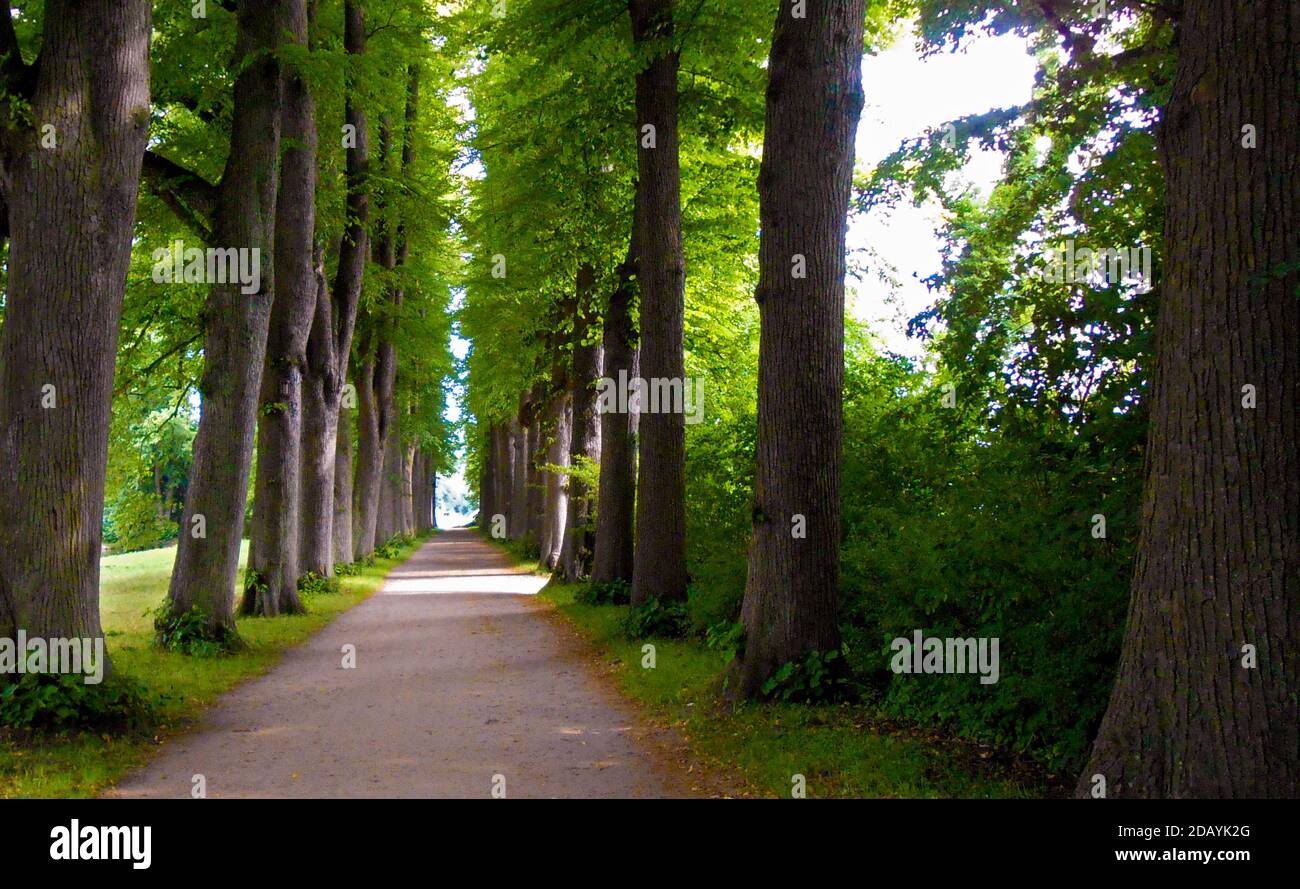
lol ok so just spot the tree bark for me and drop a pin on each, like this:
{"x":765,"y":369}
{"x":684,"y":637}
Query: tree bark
{"x":69,"y":210}
{"x":1218,"y":562}
{"x":503,"y":456}
{"x":235,"y":331}
{"x":615,"y":514}
{"x":271,"y":582}
{"x":487,"y":478}
{"x":518,"y":520}
{"x":557,"y":454}
{"x":536,"y":475}
{"x":579,"y":537}
{"x":814,"y":100}
{"x":324,"y":538}
{"x":342,"y":517}
{"x":660,"y":557}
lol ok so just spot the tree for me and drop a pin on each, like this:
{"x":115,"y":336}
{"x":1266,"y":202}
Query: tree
{"x":660,"y":557}
{"x":1216,"y":584}
{"x":67,"y":208}
{"x":323,"y":536}
{"x":271,"y":582}
{"x":235,"y":328}
{"x":615,"y":511}
{"x":584,"y":443}
{"x":814,"y":99}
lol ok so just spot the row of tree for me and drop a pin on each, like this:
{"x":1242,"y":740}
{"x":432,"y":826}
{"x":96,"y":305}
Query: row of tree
{"x":1183,"y":121}
{"x":308,"y":143}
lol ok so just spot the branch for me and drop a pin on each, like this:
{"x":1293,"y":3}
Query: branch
{"x":191,"y":197}
{"x":16,"y":74}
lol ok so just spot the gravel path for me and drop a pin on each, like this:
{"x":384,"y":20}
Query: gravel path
{"x":462,"y":682}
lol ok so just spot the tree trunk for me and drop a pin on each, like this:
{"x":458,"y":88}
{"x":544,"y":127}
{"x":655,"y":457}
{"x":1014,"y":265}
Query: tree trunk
{"x":235,"y":331}
{"x":388,"y":519}
{"x":557,"y":454}
{"x":1219,"y":534}
{"x":615,"y":514}
{"x":660,"y":558}
{"x":375,"y":383}
{"x":69,"y":215}
{"x":324,"y":538}
{"x":271,"y":582}
{"x":487,"y":477}
{"x":579,"y":537}
{"x":408,"y":490}
{"x":814,"y":99}
{"x":518,"y":520}
{"x":536,"y":476}
{"x":342,"y":517}
{"x":503,"y":455}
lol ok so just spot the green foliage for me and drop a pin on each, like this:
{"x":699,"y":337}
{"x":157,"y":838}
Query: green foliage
{"x":392,"y":547}
{"x":656,"y":618}
{"x":312,"y":584}
{"x":613,"y":592}
{"x":818,"y":678}
{"x":63,"y":702}
{"x":349,"y":569}
{"x":191,"y":632}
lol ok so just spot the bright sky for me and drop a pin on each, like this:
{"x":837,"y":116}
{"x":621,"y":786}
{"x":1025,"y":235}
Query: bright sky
{"x":906,"y":95}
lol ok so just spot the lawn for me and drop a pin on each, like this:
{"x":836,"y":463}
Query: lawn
{"x":843,"y":750}
{"x":131,"y":585}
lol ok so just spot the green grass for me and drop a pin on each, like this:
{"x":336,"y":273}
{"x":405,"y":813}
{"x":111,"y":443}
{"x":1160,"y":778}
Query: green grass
{"x":131,"y":585}
{"x":842,"y":750}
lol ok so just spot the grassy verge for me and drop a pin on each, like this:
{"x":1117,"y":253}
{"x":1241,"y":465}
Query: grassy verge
{"x":842,"y":750}
{"x":131,"y":585}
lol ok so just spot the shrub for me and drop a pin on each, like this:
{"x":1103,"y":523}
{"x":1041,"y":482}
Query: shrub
{"x":818,"y":678}
{"x":613,"y":592}
{"x":655,"y":618}
{"x":191,"y":632}
{"x":60,"y":702}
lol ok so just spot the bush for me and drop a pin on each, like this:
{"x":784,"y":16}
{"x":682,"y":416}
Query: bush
{"x":313,"y":584}
{"x":60,"y":702}
{"x":191,"y":632}
{"x":655,"y":618}
{"x":818,"y":678}
{"x":613,"y":592}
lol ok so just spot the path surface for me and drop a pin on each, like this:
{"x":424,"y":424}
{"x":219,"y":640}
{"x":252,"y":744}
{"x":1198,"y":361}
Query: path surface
{"x":460,"y":676}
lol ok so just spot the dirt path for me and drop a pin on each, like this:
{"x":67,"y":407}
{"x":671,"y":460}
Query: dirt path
{"x":459,"y":677}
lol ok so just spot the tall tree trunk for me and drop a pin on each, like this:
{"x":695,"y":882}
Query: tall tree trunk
{"x":388,"y":519}
{"x":1218,"y":563}
{"x":518,"y":521}
{"x":69,"y":215}
{"x":375,"y":383}
{"x":615,"y":513}
{"x":536,"y":476}
{"x":579,"y":537}
{"x":503,"y":455}
{"x":323,"y":537}
{"x":408,"y":490}
{"x":814,"y":99}
{"x":487,"y":478}
{"x":660,"y":557}
{"x":342,"y":517}
{"x":235,"y":331}
{"x":271,"y":583}
{"x":557,"y":497}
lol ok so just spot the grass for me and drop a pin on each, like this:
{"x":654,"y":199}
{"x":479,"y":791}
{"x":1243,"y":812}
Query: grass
{"x":842,"y":750}
{"x":132,"y":584}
